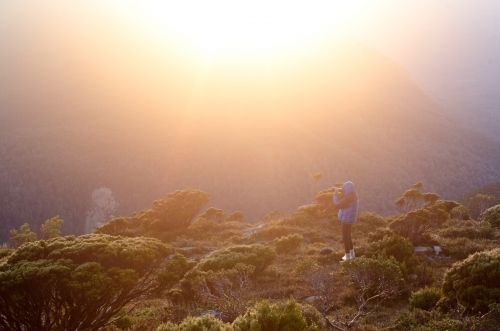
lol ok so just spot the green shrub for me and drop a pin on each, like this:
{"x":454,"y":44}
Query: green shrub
{"x":474,"y":282}
{"x":272,"y":232}
{"x":391,"y":245}
{"x":204,"y":323}
{"x":394,"y":246}
{"x":124,"y":322}
{"x":443,"y":325}
{"x":303,"y":217}
{"x":492,"y":216}
{"x":265,"y":316}
{"x":379,"y":234}
{"x":368,"y":221}
{"x":425,"y":298}
{"x":460,"y":248}
{"x":257,"y":255}
{"x":305,"y":265}
{"x":288,"y":243}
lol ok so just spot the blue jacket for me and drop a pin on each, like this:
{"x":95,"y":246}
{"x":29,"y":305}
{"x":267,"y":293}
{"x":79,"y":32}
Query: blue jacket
{"x":348,"y":214}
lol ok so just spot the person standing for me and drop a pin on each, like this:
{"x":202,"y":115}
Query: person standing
{"x":346,"y":201}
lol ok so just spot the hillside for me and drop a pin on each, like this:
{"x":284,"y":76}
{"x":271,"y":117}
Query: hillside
{"x":370,"y":125}
{"x":251,"y":134}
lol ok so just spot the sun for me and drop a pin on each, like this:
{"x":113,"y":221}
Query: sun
{"x":246,"y":27}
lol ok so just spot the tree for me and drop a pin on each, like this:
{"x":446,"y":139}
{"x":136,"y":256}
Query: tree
{"x":51,"y":228}
{"x":77,"y":283}
{"x":479,"y":203}
{"x":22,"y":236}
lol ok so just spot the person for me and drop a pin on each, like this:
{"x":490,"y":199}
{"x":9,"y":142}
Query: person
{"x":346,"y":200}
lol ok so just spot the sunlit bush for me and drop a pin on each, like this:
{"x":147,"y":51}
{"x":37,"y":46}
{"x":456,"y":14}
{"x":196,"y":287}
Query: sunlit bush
{"x":204,"y":323}
{"x":274,"y":316}
{"x":425,"y":298}
{"x":492,"y":216}
{"x":257,"y":255}
{"x":460,"y":248}
{"x":288,"y":243}
{"x":475,"y":282}
{"x":272,"y":232}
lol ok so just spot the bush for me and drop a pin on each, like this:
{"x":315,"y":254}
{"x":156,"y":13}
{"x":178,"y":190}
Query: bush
{"x":257,"y":255}
{"x":397,"y":247}
{"x":425,"y":298}
{"x":475,"y":282}
{"x":204,"y":323}
{"x":288,"y":243}
{"x":81,"y":276}
{"x":265,"y":316}
{"x":492,"y":216}
{"x":460,"y":248}
{"x":305,"y":265}
{"x":443,"y":325}
{"x":272,"y":232}
{"x":368,"y":221}
{"x":467,"y":229}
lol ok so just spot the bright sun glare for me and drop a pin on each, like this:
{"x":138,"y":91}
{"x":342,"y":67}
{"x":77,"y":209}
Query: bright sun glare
{"x":250,"y":27}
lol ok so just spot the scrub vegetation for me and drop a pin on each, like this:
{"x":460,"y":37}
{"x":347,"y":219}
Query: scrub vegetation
{"x":177,"y":266}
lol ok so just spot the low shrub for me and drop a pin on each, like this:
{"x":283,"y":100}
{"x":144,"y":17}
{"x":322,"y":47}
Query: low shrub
{"x":288,"y":244}
{"x":305,"y":265}
{"x":204,"y":323}
{"x":368,"y":221}
{"x":460,"y":248}
{"x":443,"y":325}
{"x":492,"y":216}
{"x":257,"y":255}
{"x":425,"y":298}
{"x":474,"y":283}
{"x":272,"y":232}
{"x":274,"y":316}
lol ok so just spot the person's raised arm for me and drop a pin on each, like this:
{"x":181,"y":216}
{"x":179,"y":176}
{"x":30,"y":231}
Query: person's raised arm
{"x":345,"y":201}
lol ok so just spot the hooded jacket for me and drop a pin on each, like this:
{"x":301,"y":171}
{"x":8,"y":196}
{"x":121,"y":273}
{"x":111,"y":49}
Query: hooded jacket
{"x":349,"y":213}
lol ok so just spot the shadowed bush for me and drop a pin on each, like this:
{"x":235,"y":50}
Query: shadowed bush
{"x":474,"y":282}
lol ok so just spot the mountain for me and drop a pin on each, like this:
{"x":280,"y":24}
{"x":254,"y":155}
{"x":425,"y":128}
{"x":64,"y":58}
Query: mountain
{"x":452,"y":56}
{"x":115,"y":123}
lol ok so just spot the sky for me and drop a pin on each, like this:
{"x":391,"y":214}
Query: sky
{"x":440,"y":42}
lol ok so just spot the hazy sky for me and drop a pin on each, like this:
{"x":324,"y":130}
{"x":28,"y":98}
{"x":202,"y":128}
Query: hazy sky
{"x":436,"y":40}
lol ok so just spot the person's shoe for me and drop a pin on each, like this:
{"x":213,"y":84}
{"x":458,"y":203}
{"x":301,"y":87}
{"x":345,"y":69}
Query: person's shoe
{"x":346,"y":257}
{"x":352,"y":253}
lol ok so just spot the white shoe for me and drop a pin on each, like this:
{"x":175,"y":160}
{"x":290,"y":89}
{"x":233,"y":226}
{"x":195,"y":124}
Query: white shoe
{"x":352,"y":253}
{"x":347,"y":256}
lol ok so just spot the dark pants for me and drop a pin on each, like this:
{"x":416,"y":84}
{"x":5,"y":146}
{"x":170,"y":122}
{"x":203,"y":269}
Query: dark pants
{"x":346,"y":237}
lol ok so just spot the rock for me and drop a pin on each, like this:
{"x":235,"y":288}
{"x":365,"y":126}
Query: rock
{"x":423,"y":249}
{"x":326,"y":251}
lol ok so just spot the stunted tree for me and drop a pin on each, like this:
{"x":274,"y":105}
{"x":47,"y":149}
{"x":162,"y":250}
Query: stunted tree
{"x":24,"y":235}
{"x":479,"y":203}
{"x":51,"y":228}
{"x":77,"y":283}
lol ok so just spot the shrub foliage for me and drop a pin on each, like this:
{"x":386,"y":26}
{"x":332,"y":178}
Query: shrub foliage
{"x":76,"y":283}
{"x":474,"y":282}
